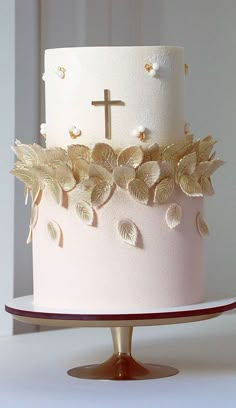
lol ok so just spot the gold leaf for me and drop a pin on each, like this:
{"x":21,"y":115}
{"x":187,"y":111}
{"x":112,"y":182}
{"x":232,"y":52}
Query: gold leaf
{"x":164,"y":190}
{"x":26,"y":194}
{"x":153,"y":153}
{"x":212,"y":156}
{"x":192,"y":147}
{"x":190,"y":186}
{"x":202,"y":169}
{"x":208,"y":138}
{"x":85,"y":212}
{"x":104,"y":155}
{"x":48,"y":181}
{"x":81,"y":170}
{"x":204,"y":148}
{"x":167,"y":170}
{"x":35,"y":190}
{"x":131,"y":157}
{"x":100,"y":193}
{"x":64,"y":176}
{"x":23,"y":175}
{"x":206,"y":185}
{"x":186,"y":165}
{"x":80,"y":192}
{"x":149,"y":172}
{"x":26,"y":154}
{"x":78,"y":152}
{"x":202,"y":226}
{"x":55,"y":155}
{"x":173,"y":215}
{"x":214,"y":165}
{"x":30,"y":235}
{"x":123,"y":175}
{"x":34,"y":215}
{"x":175,"y":151}
{"x":95,"y":170}
{"x":138,"y":190}
{"x":54,"y":231}
{"x":128,"y":231}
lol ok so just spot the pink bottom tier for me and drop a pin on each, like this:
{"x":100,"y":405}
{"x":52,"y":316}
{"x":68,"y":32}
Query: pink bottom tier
{"x":95,"y":271}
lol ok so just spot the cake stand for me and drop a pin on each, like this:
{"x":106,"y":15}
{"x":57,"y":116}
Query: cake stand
{"x":121,"y":365}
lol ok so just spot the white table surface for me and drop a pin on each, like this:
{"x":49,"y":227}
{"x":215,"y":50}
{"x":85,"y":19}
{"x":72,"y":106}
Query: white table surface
{"x":33,"y":367}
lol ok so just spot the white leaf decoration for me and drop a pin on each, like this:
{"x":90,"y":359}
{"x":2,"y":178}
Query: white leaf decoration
{"x":100,"y":194}
{"x":95,"y":170}
{"x":190,"y":186}
{"x":149,"y":172}
{"x":173,"y":215}
{"x":123,"y":175}
{"x":131,"y":157}
{"x":54,"y":231}
{"x":128,"y":231}
{"x":104,"y":155}
{"x":138,"y":190}
{"x":164,"y":190}
{"x":202,"y":226}
{"x":85,"y":212}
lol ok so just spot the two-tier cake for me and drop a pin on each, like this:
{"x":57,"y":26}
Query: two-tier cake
{"x":117,"y":195}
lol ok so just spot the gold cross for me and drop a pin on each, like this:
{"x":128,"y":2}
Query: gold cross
{"x":107,"y":104}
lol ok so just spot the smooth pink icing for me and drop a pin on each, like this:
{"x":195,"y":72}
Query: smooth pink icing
{"x":96,"y":271}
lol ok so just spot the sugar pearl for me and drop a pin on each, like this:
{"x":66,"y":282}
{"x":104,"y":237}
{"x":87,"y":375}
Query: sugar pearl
{"x":60,"y":74}
{"x":43,"y":128}
{"x":44,"y":76}
{"x":155,"y":66}
{"x":152,"y":72}
{"x":71,"y":129}
{"x":136,"y":132}
{"x":76,"y":131}
{"x":141,"y":129}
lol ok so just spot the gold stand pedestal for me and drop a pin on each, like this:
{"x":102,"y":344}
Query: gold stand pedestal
{"x":121,"y":365}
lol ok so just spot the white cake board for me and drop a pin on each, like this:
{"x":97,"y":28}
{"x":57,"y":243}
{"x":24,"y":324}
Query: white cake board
{"x":121,"y":366}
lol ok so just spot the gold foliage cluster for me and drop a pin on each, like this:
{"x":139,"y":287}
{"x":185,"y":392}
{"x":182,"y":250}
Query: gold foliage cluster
{"x":149,"y":176}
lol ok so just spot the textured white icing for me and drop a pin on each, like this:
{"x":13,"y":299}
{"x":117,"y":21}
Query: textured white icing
{"x":157,"y":103}
{"x":95,"y":269}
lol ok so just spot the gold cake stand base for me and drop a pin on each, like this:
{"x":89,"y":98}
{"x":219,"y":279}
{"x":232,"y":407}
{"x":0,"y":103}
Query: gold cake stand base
{"x":121,"y":365}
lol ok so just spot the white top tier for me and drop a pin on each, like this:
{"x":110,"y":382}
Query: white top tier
{"x":76,"y":77}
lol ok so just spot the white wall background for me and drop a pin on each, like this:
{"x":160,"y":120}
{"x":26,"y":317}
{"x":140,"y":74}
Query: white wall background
{"x":207,"y":30}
